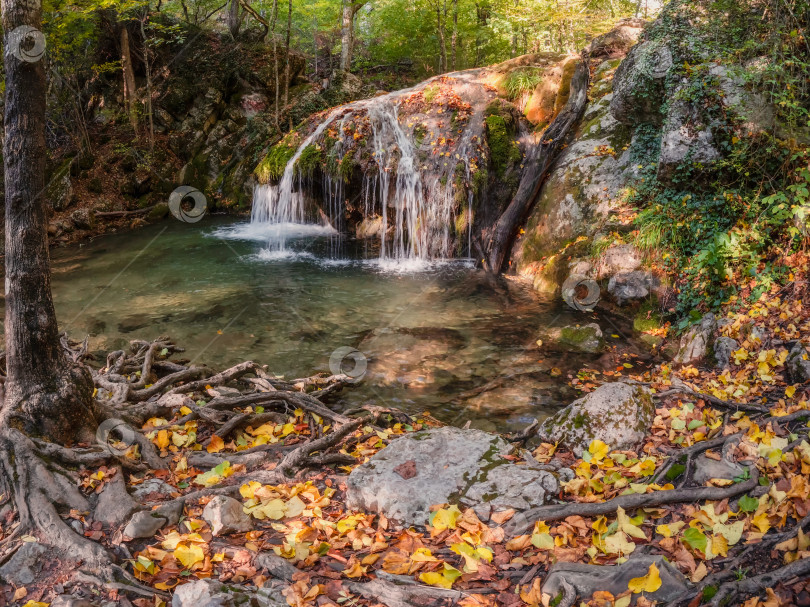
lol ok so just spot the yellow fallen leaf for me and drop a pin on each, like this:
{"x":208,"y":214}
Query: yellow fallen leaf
{"x":443,"y":579}
{"x":189,"y":554}
{"x":216,"y":444}
{"x":647,"y":583}
{"x":162,"y":439}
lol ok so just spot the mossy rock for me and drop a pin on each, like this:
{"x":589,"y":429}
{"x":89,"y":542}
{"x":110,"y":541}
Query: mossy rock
{"x":619,"y":414}
{"x":587,"y":338}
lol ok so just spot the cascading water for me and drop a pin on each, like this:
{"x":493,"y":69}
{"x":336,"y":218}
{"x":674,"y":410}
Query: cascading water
{"x":411,"y":195}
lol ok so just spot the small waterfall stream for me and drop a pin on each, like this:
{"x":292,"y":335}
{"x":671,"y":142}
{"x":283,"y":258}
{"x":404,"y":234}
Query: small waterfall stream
{"x":413,"y":200}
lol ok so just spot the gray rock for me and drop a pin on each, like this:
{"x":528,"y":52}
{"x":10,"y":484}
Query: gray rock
{"x":114,"y":504}
{"x":444,"y":465}
{"x":725,"y":468}
{"x":584,"y":580}
{"x":587,"y":338}
{"x":724,"y":347}
{"x":83,"y":219}
{"x":152,"y":486}
{"x":617,"y":41}
{"x":211,"y":593}
{"x":619,"y":258}
{"x":639,"y":84}
{"x":24,"y":567}
{"x":685,"y":139}
{"x":618,"y":414}
{"x":798,"y":364}
{"x":68,"y":600}
{"x":145,"y":524}
{"x":696,"y":341}
{"x":518,"y":487}
{"x":278,"y":567}
{"x":171,"y":511}
{"x":630,"y":286}
{"x":225,"y":515}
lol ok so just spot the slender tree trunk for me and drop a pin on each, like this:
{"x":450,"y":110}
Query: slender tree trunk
{"x":45,"y":393}
{"x":287,"y":67}
{"x":454,"y":39}
{"x":275,"y":57}
{"x":442,"y":43}
{"x":233,"y":20}
{"x":347,"y":36}
{"x":130,"y":90}
{"x":147,"y":67}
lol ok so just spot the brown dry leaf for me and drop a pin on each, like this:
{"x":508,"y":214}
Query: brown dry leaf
{"x":499,"y":518}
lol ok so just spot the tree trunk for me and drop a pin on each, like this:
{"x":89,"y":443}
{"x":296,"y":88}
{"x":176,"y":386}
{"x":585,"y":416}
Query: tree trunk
{"x":147,"y":67}
{"x":347,"y":36}
{"x":275,"y":58}
{"x":287,"y":55}
{"x":130,"y":90}
{"x":538,"y":163}
{"x":442,"y":43}
{"x":232,"y":18}
{"x":454,"y":39}
{"x":45,"y":393}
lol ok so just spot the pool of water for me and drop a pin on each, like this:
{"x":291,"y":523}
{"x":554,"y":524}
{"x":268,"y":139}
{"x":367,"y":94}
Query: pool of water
{"x":442,"y":338}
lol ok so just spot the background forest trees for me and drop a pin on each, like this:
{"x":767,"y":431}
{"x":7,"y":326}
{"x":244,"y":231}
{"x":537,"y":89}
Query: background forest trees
{"x":414,"y":37}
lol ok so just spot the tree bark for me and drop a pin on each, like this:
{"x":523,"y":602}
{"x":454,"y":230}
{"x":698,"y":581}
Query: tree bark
{"x":347,"y":35}
{"x":454,"y":39}
{"x":442,"y":42}
{"x":287,"y":55}
{"x":538,"y":163}
{"x":130,"y":90}
{"x":45,"y":393}
{"x":233,"y":20}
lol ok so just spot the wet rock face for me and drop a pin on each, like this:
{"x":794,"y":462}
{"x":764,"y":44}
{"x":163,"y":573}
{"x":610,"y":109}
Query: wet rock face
{"x":446,"y":465}
{"x":618,"y":414}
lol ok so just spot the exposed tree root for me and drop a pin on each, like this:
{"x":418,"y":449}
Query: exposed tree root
{"x":523,"y":522}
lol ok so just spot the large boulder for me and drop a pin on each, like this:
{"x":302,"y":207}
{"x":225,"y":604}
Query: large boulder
{"x":639,"y":84}
{"x":619,"y":414}
{"x":684,"y":139}
{"x":446,"y":465}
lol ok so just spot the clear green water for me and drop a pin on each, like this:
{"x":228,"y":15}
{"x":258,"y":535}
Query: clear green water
{"x":429,"y":336}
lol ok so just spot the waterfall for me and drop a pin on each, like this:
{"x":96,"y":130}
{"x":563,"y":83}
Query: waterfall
{"x":413,"y":198}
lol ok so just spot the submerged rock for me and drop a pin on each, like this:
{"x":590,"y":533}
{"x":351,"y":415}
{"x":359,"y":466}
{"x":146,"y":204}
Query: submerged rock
{"x":441,"y":466}
{"x":696,"y":341}
{"x":618,"y":414}
{"x":587,"y":338}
